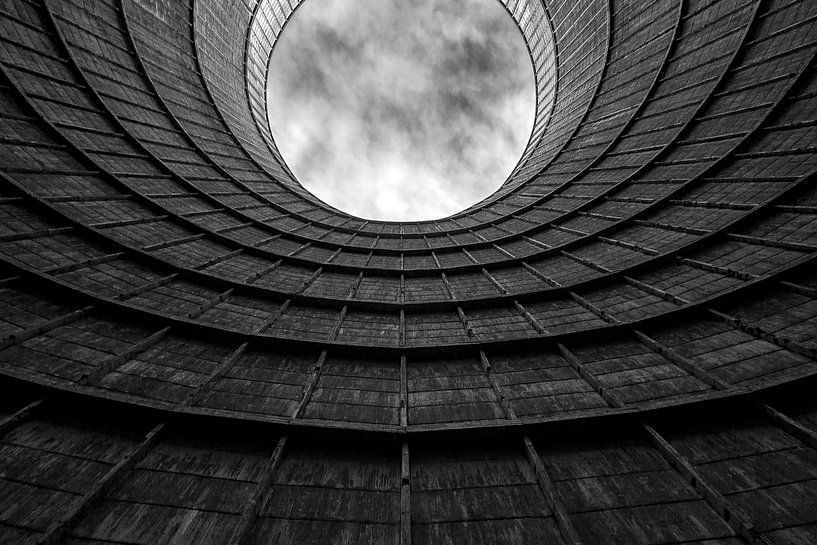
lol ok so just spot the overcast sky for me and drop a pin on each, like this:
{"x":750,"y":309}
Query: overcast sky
{"x":401,"y":110}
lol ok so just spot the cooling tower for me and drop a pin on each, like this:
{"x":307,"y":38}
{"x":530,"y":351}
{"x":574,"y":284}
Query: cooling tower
{"x":616,"y":347}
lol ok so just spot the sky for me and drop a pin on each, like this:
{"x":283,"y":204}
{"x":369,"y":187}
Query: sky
{"x":401,"y":110}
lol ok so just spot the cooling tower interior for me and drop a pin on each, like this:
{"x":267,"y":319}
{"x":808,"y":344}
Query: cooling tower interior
{"x":618,"y":346}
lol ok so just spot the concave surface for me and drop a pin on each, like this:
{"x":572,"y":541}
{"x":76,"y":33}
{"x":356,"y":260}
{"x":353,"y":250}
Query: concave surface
{"x":401,"y":110}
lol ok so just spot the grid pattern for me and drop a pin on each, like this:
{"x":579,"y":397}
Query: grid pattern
{"x":617,"y":346}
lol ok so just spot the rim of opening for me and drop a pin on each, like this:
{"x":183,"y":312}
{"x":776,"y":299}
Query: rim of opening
{"x":531,"y":18}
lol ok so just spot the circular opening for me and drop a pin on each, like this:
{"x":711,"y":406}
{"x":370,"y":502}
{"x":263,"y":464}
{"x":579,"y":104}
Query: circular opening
{"x":395,"y":110}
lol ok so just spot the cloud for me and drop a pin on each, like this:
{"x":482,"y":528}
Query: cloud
{"x":400,"y":110}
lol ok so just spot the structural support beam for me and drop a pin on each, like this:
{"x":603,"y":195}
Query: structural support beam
{"x":18,"y":417}
{"x":549,"y":492}
{"x":601,"y":314}
{"x":680,"y":361}
{"x":202,"y":389}
{"x":218,"y":299}
{"x":791,"y":426}
{"x":591,"y":379}
{"x":403,"y":394}
{"x":109,"y":364}
{"x":531,"y":319}
{"x":405,"y":496}
{"x":57,"y":531}
{"x":44,"y":327}
{"x":734,"y":517}
{"x":253,"y":507}
{"x":762,"y":334}
{"x":507,"y":408}
{"x":310,"y":386}
{"x":333,"y":334}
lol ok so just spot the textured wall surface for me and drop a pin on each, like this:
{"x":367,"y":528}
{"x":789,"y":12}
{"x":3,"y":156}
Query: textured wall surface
{"x":619,"y":346}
